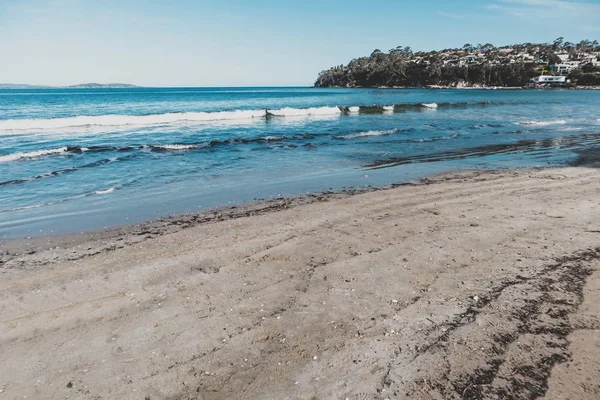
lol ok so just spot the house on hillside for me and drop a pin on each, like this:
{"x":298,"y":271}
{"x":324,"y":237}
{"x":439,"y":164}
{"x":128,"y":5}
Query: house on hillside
{"x":562,"y":69}
{"x":548,"y":80}
{"x":472,"y":59}
{"x":452,"y":60}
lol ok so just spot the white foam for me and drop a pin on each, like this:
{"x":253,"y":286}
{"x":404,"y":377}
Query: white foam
{"x":543,"y":123}
{"x":430,"y":105}
{"x":112,"y":189}
{"x":126,"y":120}
{"x":369,"y":133}
{"x":31,"y":154}
{"x":300,"y":112}
{"x":176,"y":146}
{"x":388,"y":108}
{"x":354,"y":109}
{"x":114,"y":121}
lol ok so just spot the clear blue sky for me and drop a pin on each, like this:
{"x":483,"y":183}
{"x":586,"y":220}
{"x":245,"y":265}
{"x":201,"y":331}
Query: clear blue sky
{"x":254,"y":42}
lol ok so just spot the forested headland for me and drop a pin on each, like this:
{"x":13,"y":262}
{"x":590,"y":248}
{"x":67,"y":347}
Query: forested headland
{"x":469,"y":66}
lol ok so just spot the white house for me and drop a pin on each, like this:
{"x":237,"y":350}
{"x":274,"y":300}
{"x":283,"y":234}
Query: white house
{"x":549,"y":80}
{"x":561,"y":68}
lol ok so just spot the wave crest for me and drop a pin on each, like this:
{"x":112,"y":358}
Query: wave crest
{"x":107,"y":191}
{"x":543,"y":123}
{"x":369,"y":134}
{"x":124,"y":121}
{"x":302,"y":112}
{"x":174,"y":147}
{"x":32,"y":154}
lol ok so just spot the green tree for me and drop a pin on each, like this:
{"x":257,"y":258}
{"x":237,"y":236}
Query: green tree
{"x":558,"y":43}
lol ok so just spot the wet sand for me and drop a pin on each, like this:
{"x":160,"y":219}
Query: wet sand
{"x":465,"y":285}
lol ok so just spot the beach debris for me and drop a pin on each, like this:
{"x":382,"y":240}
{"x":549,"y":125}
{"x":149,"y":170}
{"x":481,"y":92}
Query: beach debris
{"x":394,"y":301}
{"x":476,"y":298}
{"x":315,"y":358}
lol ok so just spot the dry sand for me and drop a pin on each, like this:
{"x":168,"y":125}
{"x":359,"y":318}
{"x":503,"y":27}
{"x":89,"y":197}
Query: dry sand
{"x":467,"y":285}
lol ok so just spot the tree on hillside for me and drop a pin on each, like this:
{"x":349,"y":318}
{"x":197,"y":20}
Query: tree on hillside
{"x":558,"y":43}
{"x":487,"y":47}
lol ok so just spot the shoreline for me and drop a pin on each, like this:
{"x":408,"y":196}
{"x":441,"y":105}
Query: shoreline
{"x":176,"y":222}
{"x":137,"y":232}
{"x":478,"y":283}
{"x":436,"y":87}
{"x":168,"y":224}
{"x":140,"y":231}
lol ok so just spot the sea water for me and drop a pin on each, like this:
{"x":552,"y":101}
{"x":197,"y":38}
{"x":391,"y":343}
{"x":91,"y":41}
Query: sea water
{"x":81,"y":159}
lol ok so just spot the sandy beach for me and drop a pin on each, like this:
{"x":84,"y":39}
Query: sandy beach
{"x":465,"y":285}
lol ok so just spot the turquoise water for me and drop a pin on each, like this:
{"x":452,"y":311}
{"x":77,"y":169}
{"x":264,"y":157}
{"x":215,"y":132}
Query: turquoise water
{"x":80,"y":159}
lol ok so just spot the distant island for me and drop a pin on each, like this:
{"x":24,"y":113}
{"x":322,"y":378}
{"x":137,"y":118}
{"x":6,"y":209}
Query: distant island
{"x":91,"y":85}
{"x":102,"y":86}
{"x":471,"y":66}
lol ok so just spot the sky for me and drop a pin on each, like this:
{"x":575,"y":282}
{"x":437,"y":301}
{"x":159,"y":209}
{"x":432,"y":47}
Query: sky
{"x":255,"y":42}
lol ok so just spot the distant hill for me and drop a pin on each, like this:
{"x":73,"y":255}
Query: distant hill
{"x":21,"y":86}
{"x":92,"y":85}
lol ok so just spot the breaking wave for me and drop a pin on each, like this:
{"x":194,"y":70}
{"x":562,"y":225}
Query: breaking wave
{"x":115,"y":121}
{"x":369,"y":133}
{"x":60,"y":151}
{"x":304,"y":112}
{"x":543,"y":123}
{"x":32,"y":154}
{"x":127,"y":120}
{"x":112,"y":189}
{"x":175,"y":147}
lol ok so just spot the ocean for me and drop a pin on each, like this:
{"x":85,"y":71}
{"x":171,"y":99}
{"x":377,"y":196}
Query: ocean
{"x":82,"y":159}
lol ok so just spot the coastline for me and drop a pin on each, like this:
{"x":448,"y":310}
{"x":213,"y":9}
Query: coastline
{"x":104,"y":184}
{"x":439,"y":87}
{"x":279,"y":299}
{"x":150,"y":229}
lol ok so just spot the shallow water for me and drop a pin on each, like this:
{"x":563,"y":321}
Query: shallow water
{"x":82,"y":159}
